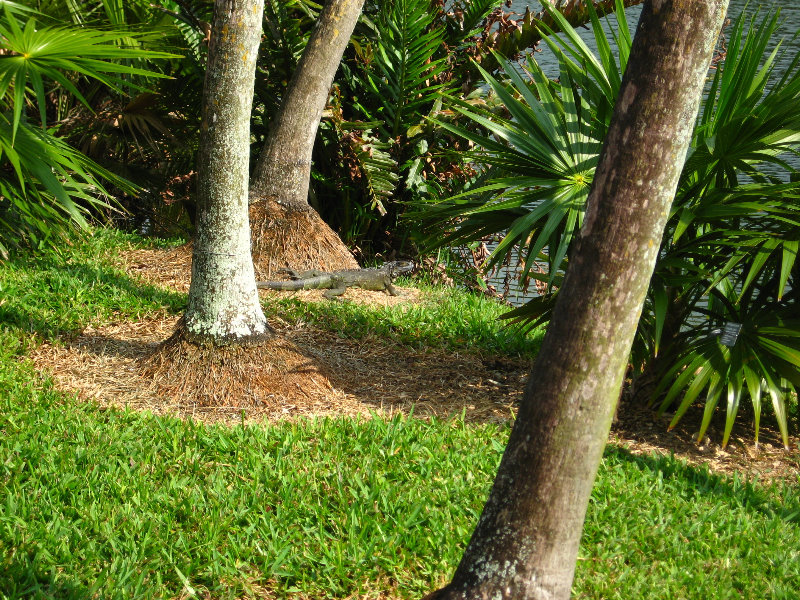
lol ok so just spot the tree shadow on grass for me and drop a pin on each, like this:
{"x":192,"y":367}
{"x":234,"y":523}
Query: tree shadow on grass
{"x":781,"y":499}
{"x":53,"y":298}
{"x":23,"y":579}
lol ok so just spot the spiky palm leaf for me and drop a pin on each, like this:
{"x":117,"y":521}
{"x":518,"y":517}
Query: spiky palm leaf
{"x":544,"y":155}
{"x":761,"y":352}
{"x":734,"y":231}
{"x":48,"y":185}
{"x":387,"y":88}
{"x":730,"y":250}
{"x":41,"y":54}
{"x":466,"y":19}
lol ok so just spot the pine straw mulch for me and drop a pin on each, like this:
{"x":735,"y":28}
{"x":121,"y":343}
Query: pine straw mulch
{"x":298,"y":239}
{"x":169,"y":268}
{"x":328,"y":375}
{"x":642,"y":432}
{"x":335,"y":376}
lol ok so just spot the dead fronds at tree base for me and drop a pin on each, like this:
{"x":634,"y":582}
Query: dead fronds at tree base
{"x":281,"y":237}
{"x":267,"y":376}
{"x":299,"y":239}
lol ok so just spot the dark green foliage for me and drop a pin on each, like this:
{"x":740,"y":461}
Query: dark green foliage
{"x":729,"y":252}
{"x":406,"y":59}
{"x":538,"y":159}
{"x":287,"y":26}
{"x":731,"y":245}
{"x":403,"y":56}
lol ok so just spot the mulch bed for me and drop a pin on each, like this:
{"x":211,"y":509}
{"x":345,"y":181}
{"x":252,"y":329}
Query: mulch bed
{"x":361,"y":377}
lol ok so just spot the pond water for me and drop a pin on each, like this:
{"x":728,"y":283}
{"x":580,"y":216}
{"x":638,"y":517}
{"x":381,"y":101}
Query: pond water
{"x":790,"y":17}
{"x":787,"y":34}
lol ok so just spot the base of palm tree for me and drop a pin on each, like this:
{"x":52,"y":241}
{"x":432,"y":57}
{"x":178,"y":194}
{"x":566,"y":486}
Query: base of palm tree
{"x":248,"y":375}
{"x":300,"y":239}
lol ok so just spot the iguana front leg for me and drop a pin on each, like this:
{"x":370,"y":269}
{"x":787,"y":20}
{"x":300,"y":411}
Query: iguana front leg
{"x":393,"y":291}
{"x":335,"y":292}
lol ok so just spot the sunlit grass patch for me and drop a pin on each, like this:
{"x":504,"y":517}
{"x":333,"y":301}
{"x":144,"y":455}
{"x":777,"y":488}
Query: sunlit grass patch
{"x":129,"y":505}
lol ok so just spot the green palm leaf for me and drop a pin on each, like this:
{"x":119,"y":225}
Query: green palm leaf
{"x":405,"y":56}
{"x":36,"y":54}
{"x":53,"y":185}
{"x":544,"y":154}
{"x":47,"y":185}
{"x":766,"y":350}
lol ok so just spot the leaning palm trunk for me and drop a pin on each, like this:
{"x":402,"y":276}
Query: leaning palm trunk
{"x":285,"y":227}
{"x":526,"y":542}
{"x":223,"y":299}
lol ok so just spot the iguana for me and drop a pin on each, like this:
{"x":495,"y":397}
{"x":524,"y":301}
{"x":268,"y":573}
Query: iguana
{"x":336,"y":282}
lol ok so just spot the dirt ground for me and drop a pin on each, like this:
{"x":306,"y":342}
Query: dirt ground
{"x":330,"y":375}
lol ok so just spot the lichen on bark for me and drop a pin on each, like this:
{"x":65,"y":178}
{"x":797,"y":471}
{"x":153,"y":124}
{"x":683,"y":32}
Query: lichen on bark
{"x":223,"y":306}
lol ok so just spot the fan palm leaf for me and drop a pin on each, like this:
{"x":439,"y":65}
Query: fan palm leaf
{"x":48,"y":185}
{"x":52,"y":183}
{"x":544,"y":154}
{"x":38,"y":54}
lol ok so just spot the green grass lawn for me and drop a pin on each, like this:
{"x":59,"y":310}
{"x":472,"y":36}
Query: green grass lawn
{"x":117,"y":504}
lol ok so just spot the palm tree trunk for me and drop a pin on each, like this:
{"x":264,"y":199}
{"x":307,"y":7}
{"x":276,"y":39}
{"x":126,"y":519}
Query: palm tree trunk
{"x":286,"y":230}
{"x":223,"y":300}
{"x":526,"y":542}
{"x":284,"y":165}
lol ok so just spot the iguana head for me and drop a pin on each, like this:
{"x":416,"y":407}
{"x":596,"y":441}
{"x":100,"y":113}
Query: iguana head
{"x":398,"y":267}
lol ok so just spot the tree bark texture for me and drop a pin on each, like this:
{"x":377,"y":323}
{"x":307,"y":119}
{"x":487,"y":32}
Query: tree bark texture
{"x":526,"y":542}
{"x":284,"y":165}
{"x":223,"y":300}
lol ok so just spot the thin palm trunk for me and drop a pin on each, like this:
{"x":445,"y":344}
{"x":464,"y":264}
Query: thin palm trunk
{"x":285,"y":229}
{"x":284,"y":165}
{"x":223,"y":300}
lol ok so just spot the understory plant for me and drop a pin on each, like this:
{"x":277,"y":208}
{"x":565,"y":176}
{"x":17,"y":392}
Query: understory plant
{"x":720,"y":321}
{"x":378,"y":148}
{"x":46,"y":185}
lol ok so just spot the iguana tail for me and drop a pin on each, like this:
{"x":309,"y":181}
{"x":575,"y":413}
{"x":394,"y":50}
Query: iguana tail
{"x":312,"y":283}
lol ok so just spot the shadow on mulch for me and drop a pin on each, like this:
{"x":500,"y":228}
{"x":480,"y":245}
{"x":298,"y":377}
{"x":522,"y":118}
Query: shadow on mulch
{"x":643,"y":432}
{"x":373,"y":375}
{"x":360,"y":377}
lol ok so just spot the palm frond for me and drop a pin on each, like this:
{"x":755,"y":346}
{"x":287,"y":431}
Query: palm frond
{"x":37,"y":55}
{"x":52,"y":186}
{"x":544,"y":153}
{"x":764,"y":353}
{"x":407,"y":56}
